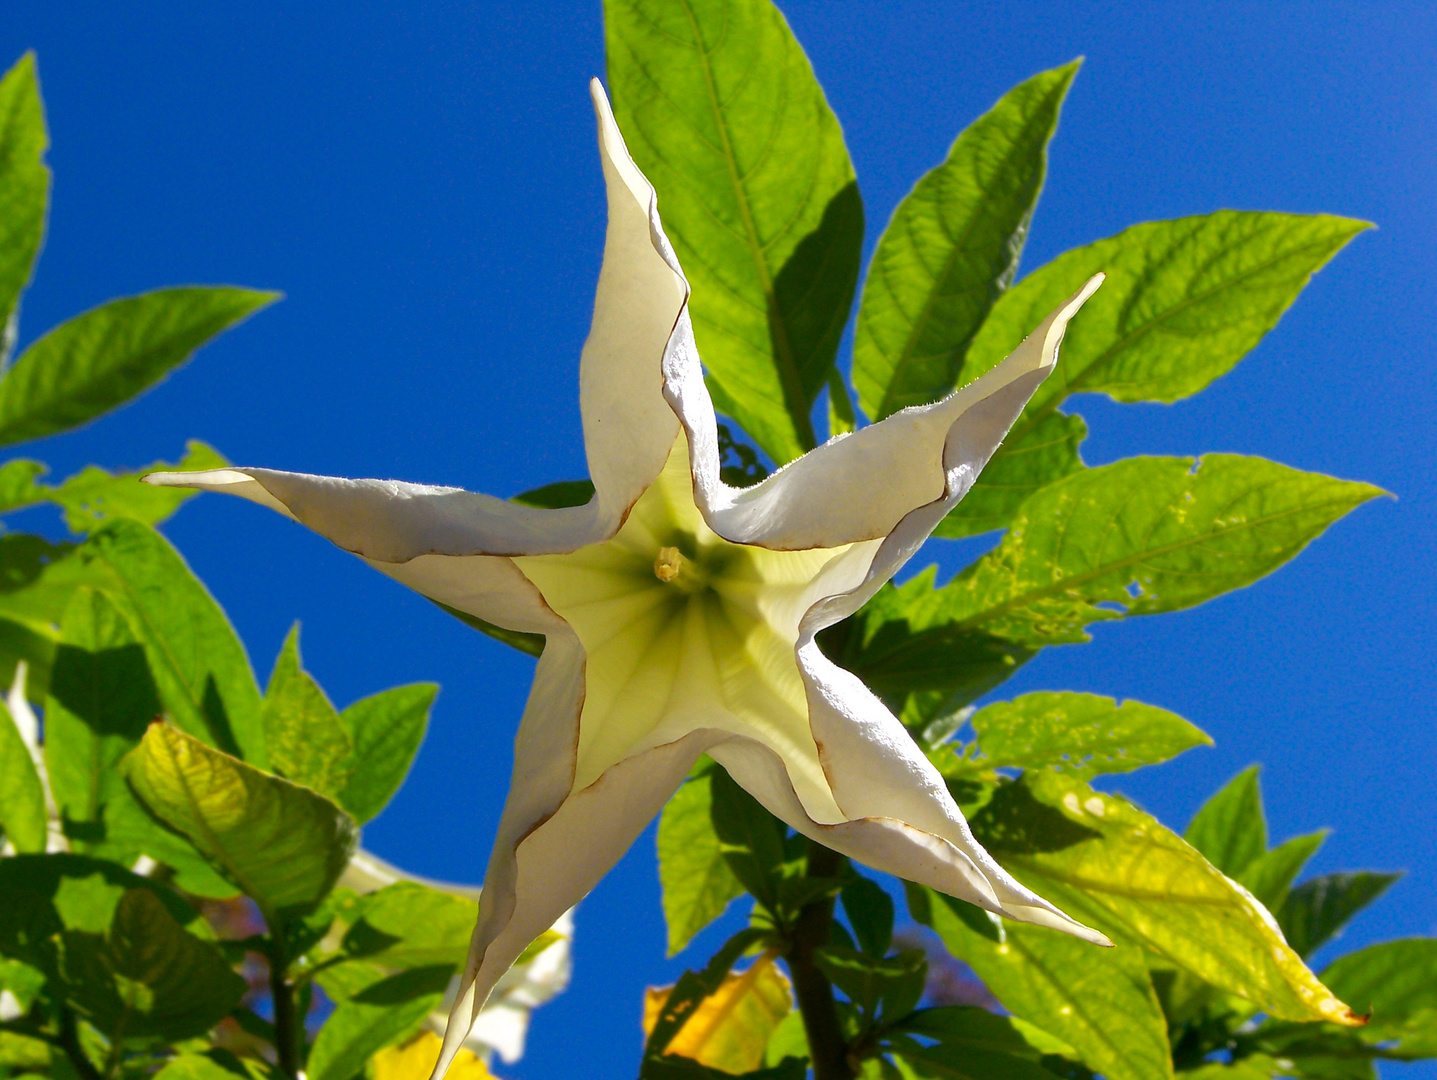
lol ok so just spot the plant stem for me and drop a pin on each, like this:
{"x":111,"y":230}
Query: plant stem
{"x":288,"y":1027}
{"x":826,"y":1045}
{"x":69,"y":1041}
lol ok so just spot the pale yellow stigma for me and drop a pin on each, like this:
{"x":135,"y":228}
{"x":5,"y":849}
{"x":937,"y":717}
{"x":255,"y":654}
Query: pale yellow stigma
{"x":668,"y":563}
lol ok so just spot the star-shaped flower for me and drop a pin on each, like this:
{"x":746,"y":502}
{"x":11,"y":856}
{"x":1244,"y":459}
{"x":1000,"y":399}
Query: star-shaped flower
{"x":679,"y":613}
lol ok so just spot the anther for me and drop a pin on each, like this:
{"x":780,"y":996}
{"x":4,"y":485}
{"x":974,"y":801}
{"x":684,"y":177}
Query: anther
{"x":668,"y":563}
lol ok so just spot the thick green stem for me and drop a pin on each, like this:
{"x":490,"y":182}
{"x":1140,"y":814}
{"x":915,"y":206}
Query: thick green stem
{"x":827,"y":1047}
{"x":288,"y":1026}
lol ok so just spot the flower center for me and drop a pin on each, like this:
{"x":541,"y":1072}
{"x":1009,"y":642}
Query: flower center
{"x":686,"y":575}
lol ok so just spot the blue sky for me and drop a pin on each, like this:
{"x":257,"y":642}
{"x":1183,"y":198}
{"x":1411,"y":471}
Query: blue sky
{"x":424,"y":187}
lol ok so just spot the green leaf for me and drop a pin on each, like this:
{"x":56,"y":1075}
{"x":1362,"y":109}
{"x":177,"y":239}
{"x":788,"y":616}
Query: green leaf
{"x":1084,"y":550}
{"x":557,"y":496}
{"x":102,"y":699}
{"x":1099,"y":1001}
{"x":969,"y":1043}
{"x":385,"y":731}
{"x":901,"y":642}
{"x":281,"y":844}
{"x":1320,"y":907}
{"x":384,"y":1010}
{"x":697,"y":882}
{"x":886,"y":990}
{"x":24,"y":188}
{"x":216,"y":1064}
{"x":99,"y":360}
{"x":870,"y":912}
{"x":721,"y":110}
{"x":407,"y":925}
{"x":302,"y":733}
{"x":83,"y":894}
{"x":1079,"y":735}
{"x":1108,"y":864}
{"x":1183,"y":302}
{"x":750,"y":838}
{"x":532,"y":644}
{"x":1230,"y":829}
{"x":94,"y":496}
{"x":17,"y":484}
{"x":1043,"y":454}
{"x":147,"y":978}
{"x":38,"y":579}
{"x":952,"y":248}
{"x":22,"y":797}
{"x":1270,"y":875}
{"x":197,"y":661}
{"x":1397,"y":983}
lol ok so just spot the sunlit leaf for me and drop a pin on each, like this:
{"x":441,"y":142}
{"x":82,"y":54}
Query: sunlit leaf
{"x":102,"y":699}
{"x":1397,"y":983}
{"x":951,"y":249}
{"x":1108,"y":864}
{"x":281,"y":844}
{"x":1231,"y":829}
{"x":385,"y":731}
{"x":305,"y":741}
{"x":1099,"y":1001}
{"x":731,"y":1027}
{"x":24,"y":187}
{"x":1079,"y":735}
{"x":722,"y":112}
{"x":374,"y":1011}
{"x":409,"y":925}
{"x":697,"y":882}
{"x":94,"y":496}
{"x":197,"y":661}
{"x":22,"y":798}
{"x":1270,"y":876}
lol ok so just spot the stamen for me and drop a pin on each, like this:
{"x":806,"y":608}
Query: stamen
{"x":667,"y":564}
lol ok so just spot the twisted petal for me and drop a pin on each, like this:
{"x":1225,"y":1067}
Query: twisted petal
{"x":829,"y":497}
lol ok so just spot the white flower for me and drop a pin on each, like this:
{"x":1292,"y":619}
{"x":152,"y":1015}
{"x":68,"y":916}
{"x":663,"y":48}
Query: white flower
{"x":680,"y":613}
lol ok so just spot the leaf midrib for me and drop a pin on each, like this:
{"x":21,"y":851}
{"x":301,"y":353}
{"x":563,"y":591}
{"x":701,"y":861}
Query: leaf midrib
{"x":920,"y":324}
{"x":783,"y":348}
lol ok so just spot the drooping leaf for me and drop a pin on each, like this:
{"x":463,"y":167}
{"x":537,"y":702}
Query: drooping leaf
{"x":1270,"y":875}
{"x":22,"y":798}
{"x":967,"y":1043}
{"x":1320,"y":907}
{"x":303,"y":735}
{"x":24,"y":188}
{"x":197,"y":661}
{"x":697,"y":882}
{"x":1119,"y":870}
{"x":99,"y":360}
{"x":1079,"y":735}
{"x":690,"y":991}
{"x":385,"y":731}
{"x":721,"y":110}
{"x":375,"y":1011}
{"x":1084,"y":550}
{"x":1397,"y":983}
{"x":1099,"y":1001}
{"x":731,"y":1027}
{"x":1231,"y":829}
{"x":952,"y":248}
{"x":102,"y":699}
{"x":1042,"y":454}
{"x":281,"y":844}
{"x":94,"y":496}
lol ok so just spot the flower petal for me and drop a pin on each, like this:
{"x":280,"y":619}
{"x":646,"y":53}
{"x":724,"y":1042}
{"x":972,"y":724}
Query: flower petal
{"x":628,"y":427}
{"x":901,"y":818}
{"x":860,"y":486}
{"x":543,"y":863}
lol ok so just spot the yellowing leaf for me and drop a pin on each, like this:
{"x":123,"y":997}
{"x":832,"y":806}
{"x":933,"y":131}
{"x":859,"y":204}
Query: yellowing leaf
{"x":415,"y":1061}
{"x":730,"y":1028}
